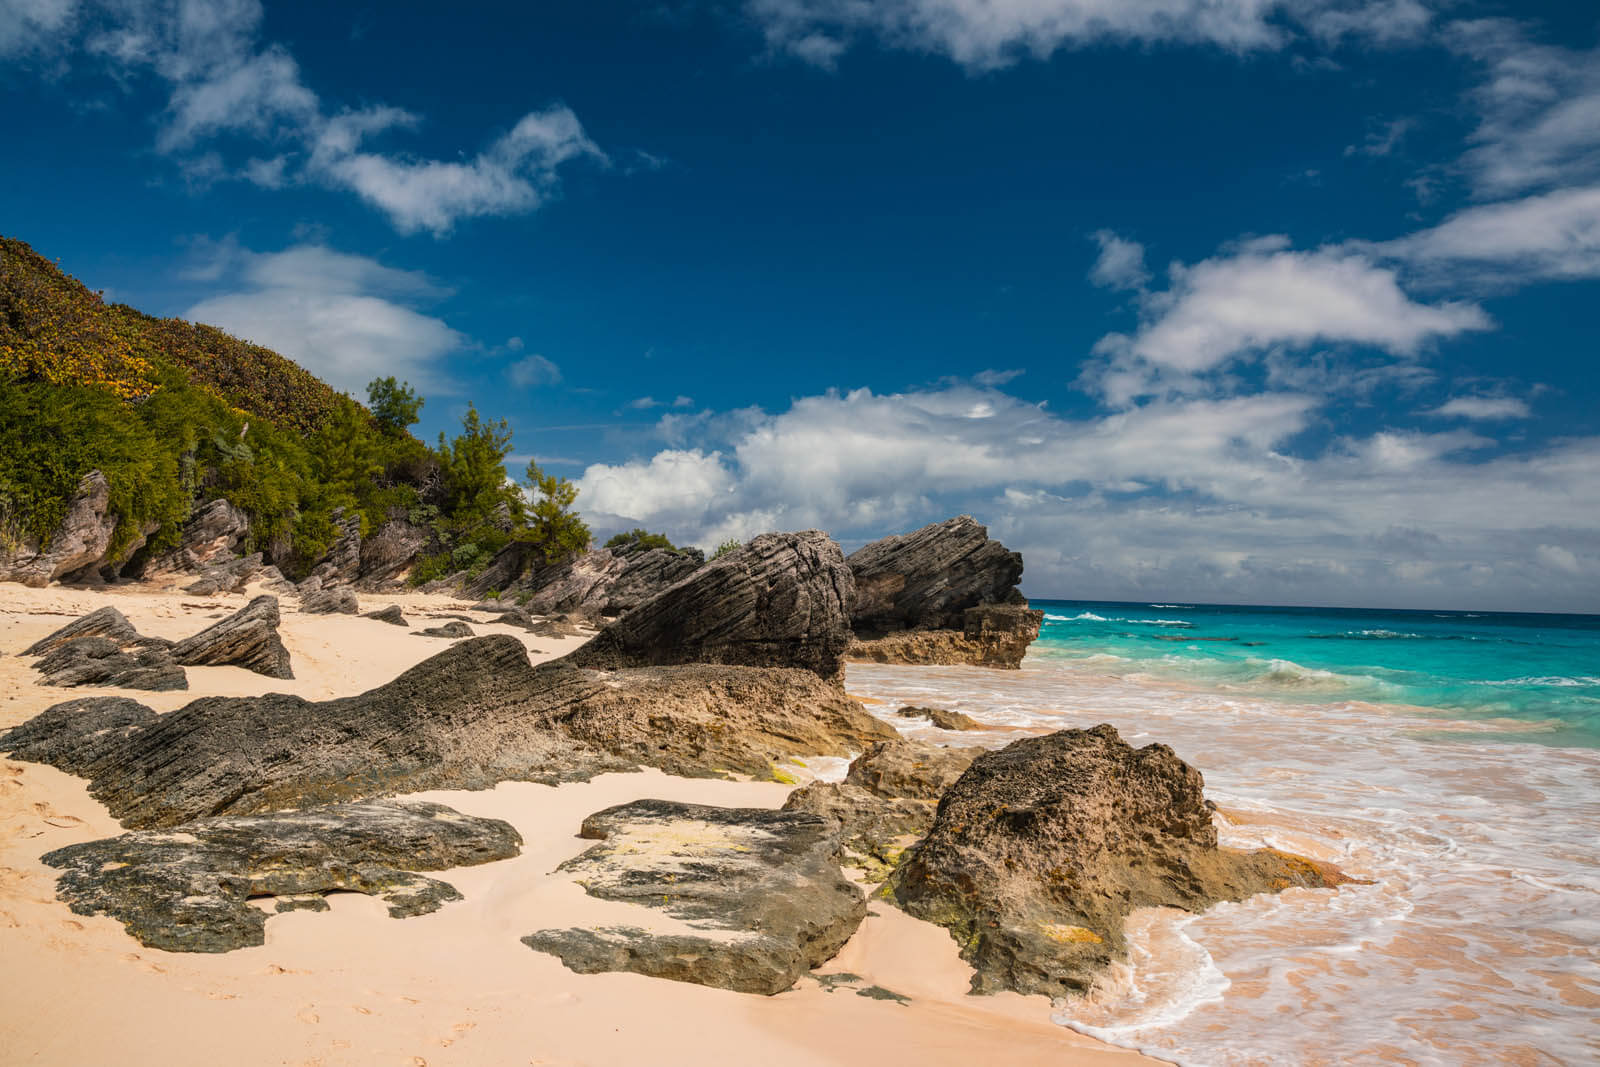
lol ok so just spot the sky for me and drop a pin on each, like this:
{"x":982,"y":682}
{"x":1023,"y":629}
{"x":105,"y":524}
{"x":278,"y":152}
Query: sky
{"x":1235,"y":301}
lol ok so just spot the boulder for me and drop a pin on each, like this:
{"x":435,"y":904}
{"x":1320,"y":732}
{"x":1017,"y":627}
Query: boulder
{"x":942,"y":718}
{"x":340,"y":600}
{"x":1041,"y":849}
{"x":389,"y":552}
{"x":191,"y":891}
{"x":874,"y":830}
{"x":992,"y":635}
{"x":248,"y":638}
{"x":100,"y":661}
{"x":391,"y":615}
{"x":230,"y":576}
{"x":209,"y":537}
{"x":927,"y":579}
{"x":102,"y":622}
{"x":452,"y":630}
{"x":80,"y":541}
{"x":783,"y":600}
{"x":763,"y":886}
{"x":900,"y":767}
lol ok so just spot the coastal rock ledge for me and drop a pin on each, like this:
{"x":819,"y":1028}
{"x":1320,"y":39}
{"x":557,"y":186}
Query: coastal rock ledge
{"x":746,"y":899}
{"x":1040,"y":850}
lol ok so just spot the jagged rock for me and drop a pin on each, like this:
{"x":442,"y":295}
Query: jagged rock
{"x":757,"y":895}
{"x":340,"y":600}
{"x":556,"y":626}
{"x":503,"y":569}
{"x":1041,"y":849}
{"x":875,"y":830}
{"x":644,"y":575}
{"x":608,"y":582}
{"x":699,"y":719}
{"x":80,"y":541}
{"x":943,"y":718}
{"x":273,"y":581}
{"x":926,"y":579}
{"x":473,"y":715}
{"x":781,"y":601}
{"x":451,"y":630}
{"x":100,"y":661}
{"x":994,"y":635}
{"x":904,"y":768}
{"x":391,"y":614}
{"x":102,"y":622}
{"x":311,"y":584}
{"x":389,"y":552}
{"x":248,"y":638}
{"x":190,"y":891}
{"x":342,"y":563}
{"x":209,"y":537}
{"x":229,"y":577}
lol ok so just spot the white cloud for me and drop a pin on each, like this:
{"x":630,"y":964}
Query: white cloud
{"x":1264,"y":295}
{"x":1120,"y":264}
{"x":1384,"y":141}
{"x":224,"y":80}
{"x":645,"y":403}
{"x":997,"y":377}
{"x":533,"y":371}
{"x":1540,"y":110}
{"x":986,"y":34}
{"x":1190,"y":498}
{"x":344,"y":318}
{"x":1482,"y":407}
{"x":1552,"y":235}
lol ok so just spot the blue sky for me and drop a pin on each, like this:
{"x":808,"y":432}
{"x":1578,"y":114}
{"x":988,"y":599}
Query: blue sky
{"x":1281,"y":301}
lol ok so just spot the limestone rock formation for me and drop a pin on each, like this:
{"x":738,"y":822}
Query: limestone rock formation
{"x":927,"y":579}
{"x":452,"y":630}
{"x":992,"y":635}
{"x":783,"y":600}
{"x":900,"y":767}
{"x":757,"y":895}
{"x":578,"y":586}
{"x":248,"y":638}
{"x":388,"y":553}
{"x":229,"y":576}
{"x":102,"y":622}
{"x":190,"y":891}
{"x":874,"y":830}
{"x":340,"y":600}
{"x":391,"y":615}
{"x":209,"y":538}
{"x":1041,"y":849}
{"x":942,"y":718}
{"x":79,"y":542}
{"x":101,"y":661}
{"x":341,"y":564}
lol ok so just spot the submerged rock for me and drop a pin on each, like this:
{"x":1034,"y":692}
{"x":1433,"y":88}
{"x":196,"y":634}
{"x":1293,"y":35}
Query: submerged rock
{"x":781,"y":601}
{"x":757,"y":896}
{"x":1040,"y":850}
{"x":942,"y":718}
{"x":190,"y":891}
{"x":248,"y":638}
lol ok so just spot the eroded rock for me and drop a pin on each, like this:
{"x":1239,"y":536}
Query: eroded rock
{"x":102,"y":622}
{"x":100,"y":661}
{"x":927,"y":579}
{"x":190,"y":891}
{"x":248,"y":638}
{"x":900,"y":767}
{"x":389,"y":552}
{"x":1041,"y":849}
{"x":79,"y":542}
{"x":339,"y":600}
{"x":751,"y":898}
{"x":452,"y":630}
{"x":391,"y":615}
{"x":874,"y":830}
{"x":993,"y":635}
{"x":942,"y":718}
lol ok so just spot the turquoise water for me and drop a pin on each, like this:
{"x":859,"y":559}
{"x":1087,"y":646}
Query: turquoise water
{"x":1538,"y":674}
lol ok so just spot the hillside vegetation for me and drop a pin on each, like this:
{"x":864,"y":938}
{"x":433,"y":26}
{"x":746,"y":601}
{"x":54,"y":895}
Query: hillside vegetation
{"x":177,"y":414}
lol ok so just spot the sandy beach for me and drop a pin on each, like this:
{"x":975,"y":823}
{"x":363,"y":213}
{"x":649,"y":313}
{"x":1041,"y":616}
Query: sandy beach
{"x":353,"y":986}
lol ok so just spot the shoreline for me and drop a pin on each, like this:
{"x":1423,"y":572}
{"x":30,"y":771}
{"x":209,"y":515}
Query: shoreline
{"x":351,"y":985}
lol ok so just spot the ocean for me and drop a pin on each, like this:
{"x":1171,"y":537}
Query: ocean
{"x":1450,"y":758}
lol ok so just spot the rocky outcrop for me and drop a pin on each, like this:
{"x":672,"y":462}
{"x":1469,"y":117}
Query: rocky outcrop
{"x":209,"y":537}
{"x":100,"y":661}
{"x":507,"y":565}
{"x":340,"y":600}
{"x":79,"y":542}
{"x":578,"y":586}
{"x":341,"y":564}
{"x":248,"y":638}
{"x":781,"y":601}
{"x":230,"y":576}
{"x":1040,"y":850}
{"x":391,"y":615}
{"x":191,"y":891}
{"x":942,"y":718}
{"x":900,"y":767}
{"x":102,"y":622}
{"x":992,"y":635}
{"x":700,"y":719}
{"x":388,"y":553}
{"x":475,"y":714}
{"x":757,"y":896}
{"x":451,"y":630}
{"x":644,"y":574}
{"x":874,"y":830}
{"x":927,"y":579}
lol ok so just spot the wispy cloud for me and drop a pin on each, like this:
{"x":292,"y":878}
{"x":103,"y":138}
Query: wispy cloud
{"x":1482,"y":407}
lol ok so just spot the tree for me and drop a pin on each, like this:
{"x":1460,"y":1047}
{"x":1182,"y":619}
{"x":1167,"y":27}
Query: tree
{"x":553,"y":527}
{"x":473,"y":466}
{"x":394,"y":404}
{"x":639,"y":539}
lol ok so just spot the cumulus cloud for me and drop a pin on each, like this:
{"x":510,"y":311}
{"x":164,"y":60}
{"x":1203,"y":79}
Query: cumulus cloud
{"x":224,"y":80}
{"x":1197,"y":498}
{"x":533,"y":370}
{"x":986,"y":34}
{"x":1548,"y":236}
{"x":1264,"y":295}
{"x":1120,"y":264}
{"x":1482,"y":407}
{"x":345,"y":318}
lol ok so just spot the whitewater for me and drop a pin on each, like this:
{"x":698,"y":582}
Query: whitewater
{"x":1450,"y":759}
